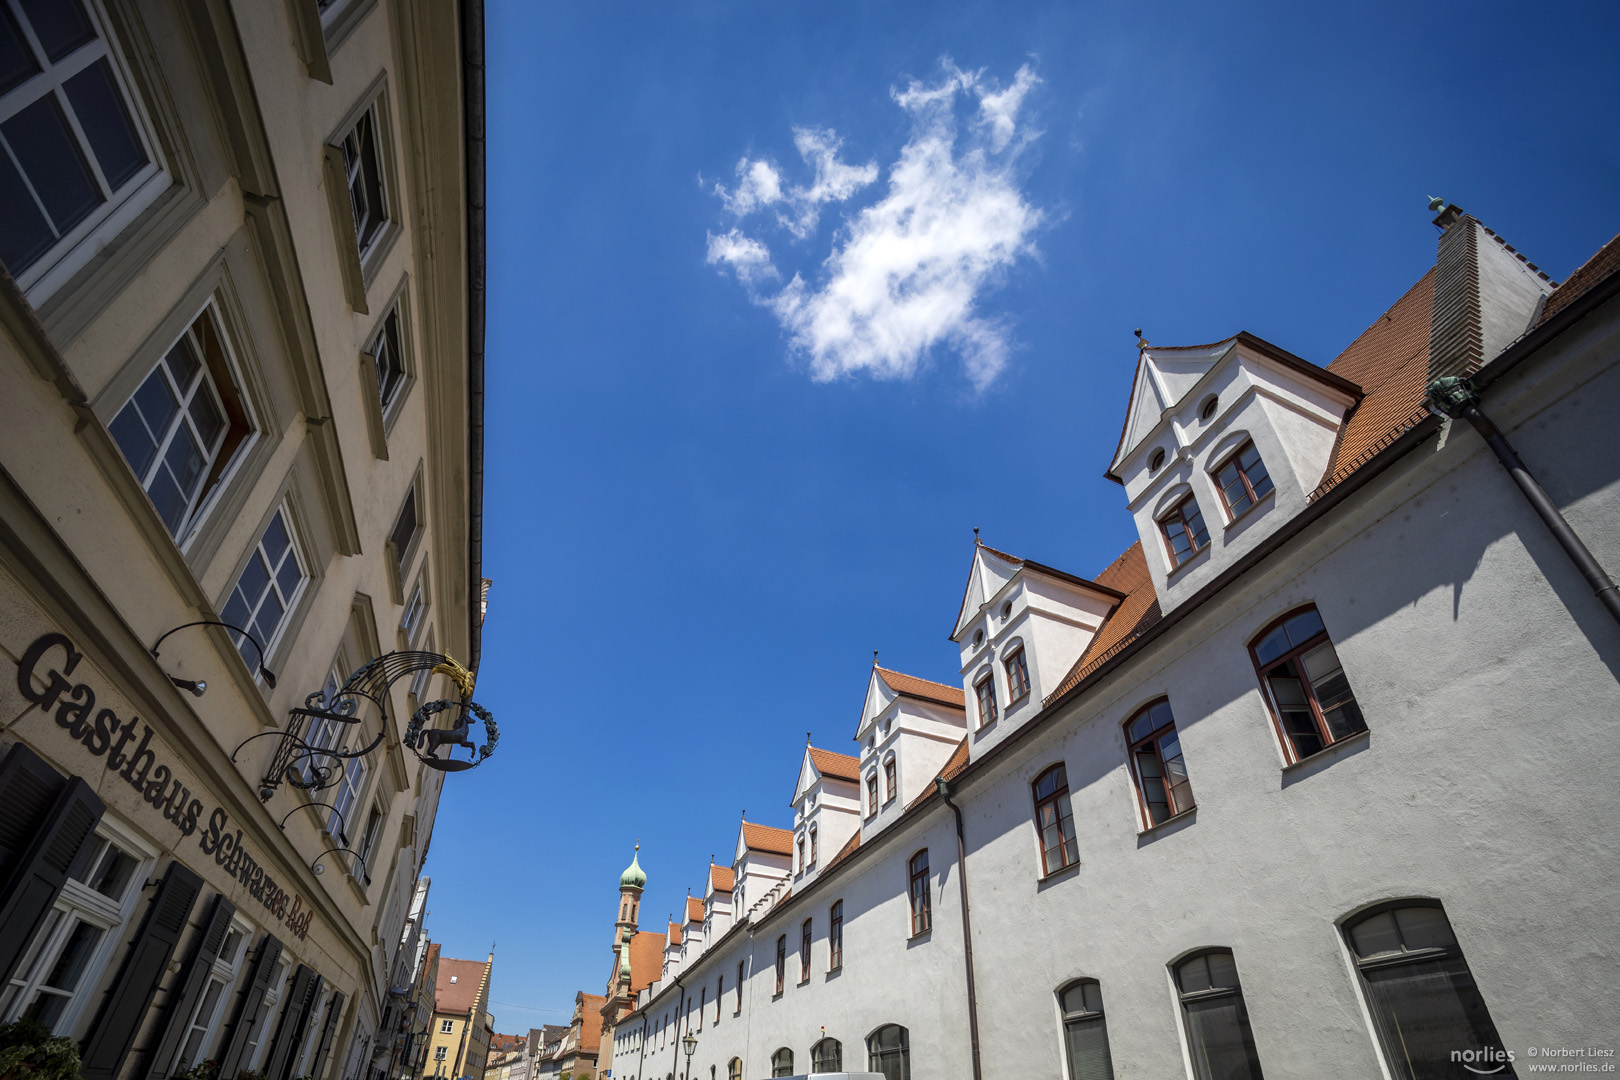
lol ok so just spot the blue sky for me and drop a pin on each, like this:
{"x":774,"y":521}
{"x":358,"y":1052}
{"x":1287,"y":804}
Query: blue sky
{"x":725,"y":463}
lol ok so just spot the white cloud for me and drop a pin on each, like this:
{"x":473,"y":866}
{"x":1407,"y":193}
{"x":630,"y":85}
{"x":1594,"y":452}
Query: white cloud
{"x":759,"y":183}
{"x":749,"y":259}
{"x":908,"y":272}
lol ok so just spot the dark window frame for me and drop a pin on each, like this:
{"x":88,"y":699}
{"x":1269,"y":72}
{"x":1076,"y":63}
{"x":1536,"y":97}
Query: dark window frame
{"x":806,"y":941}
{"x":889,"y":774}
{"x":984,"y":696}
{"x":738,"y":1010}
{"x":1152,"y":740}
{"x":835,"y":936}
{"x":1251,"y":487}
{"x":781,"y":964}
{"x":919,"y":894}
{"x":1293,"y":656}
{"x":871,"y":794}
{"x":1181,"y":518}
{"x":1213,"y":993}
{"x":827,"y":1055}
{"x":1062,"y":813}
{"x":1017,"y":682}
{"x":782,"y":1061}
{"x":1070,"y":1020}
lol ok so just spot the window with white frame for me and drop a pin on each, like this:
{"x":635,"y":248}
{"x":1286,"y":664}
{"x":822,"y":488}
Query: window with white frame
{"x":368,"y":843}
{"x":185,"y":424}
{"x":368,"y":191}
{"x":267,"y":588}
{"x":407,"y":527}
{"x":345,"y":797}
{"x":76,"y":156}
{"x":446,"y":1027}
{"x":256,"y":1045}
{"x":388,"y":355}
{"x":324,"y":734}
{"x":424,"y":677}
{"x":210,"y":1010}
{"x":73,"y":945}
{"x":410,"y":623}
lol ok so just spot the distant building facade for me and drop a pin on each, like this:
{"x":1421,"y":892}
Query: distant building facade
{"x":458,"y":1045}
{"x":1285,"y":787}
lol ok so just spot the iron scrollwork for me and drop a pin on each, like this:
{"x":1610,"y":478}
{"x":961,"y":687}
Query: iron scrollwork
{"x":313,"y":766}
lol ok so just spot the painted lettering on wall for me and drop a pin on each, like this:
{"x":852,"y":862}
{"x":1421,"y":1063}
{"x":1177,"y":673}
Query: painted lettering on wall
{"x":126,"y":746}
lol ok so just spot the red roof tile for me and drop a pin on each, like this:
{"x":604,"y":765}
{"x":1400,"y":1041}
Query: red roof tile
{"x":767,"y":838}
{"x":838,"y":766}
{"x":674,"y":933}
{"x":462,"y":994}
{"x":1594,"y":270}
{"x":722,"y":878}
{"x":694,"y":910}
{"x":646,"y":960}
{"x":590,"y":1030}
{"x":926,"y":689}
{"x":1138,"y":611}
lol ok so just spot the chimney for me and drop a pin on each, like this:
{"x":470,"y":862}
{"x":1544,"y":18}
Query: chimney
{"x":1485,"y":295}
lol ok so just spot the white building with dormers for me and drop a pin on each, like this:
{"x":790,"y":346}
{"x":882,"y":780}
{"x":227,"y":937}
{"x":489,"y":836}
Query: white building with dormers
{"x":1314,"y":780}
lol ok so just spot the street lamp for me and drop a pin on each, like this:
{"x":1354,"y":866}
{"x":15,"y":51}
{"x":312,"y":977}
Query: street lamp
{"x":689,"y":1042}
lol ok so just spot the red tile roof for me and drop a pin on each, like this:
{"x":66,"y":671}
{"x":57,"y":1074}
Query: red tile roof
{"x":767,"y":838}
{"x":911,"y":686}
{"x":694,"y":910}
{"x":462,"y":994}
{"x":1138,"y":611}
{"x":1594,"y":270}
{"x":838,"y":766}
{"x":722,"y":878}
{"x":590,"y":1030}
{"x":674,"y":934}
{"x":646,"y":960}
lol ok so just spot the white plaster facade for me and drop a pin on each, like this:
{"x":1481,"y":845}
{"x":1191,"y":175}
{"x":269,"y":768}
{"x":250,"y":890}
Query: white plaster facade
{"x":1479,"y":657}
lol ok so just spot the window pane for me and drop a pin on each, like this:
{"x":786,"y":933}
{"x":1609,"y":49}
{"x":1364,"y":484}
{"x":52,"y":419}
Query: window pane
{"x":167,"y":497}
{"x":288,"y":577}
{"x":185,"y":463}
{"x":1088,"y":1049}
{"x":206,"y":416}
{"x":1425,"y":928}
{"x":1427,"y":1010}
{"x":106,"y":123}
{"x":1295,"y":711}
{"x":1218,"y":1034}
{"x":1144,"y":725}
{"x":255,"y":577}
{"x":1259,"y":478}
{"x":1153,"y":791}
{"x":129,"y":431}
{"x":1195,"y":523}
{"x":112,"y":873}
{"x":1304,"y":626}
{"x":50,"y":158}
{"x":60,"y":25}
{"x":75,"y":954}
{"x":275,"y":538}
{"x":16,"y":59}
{"x":156,"y":401}
{"x":1376,"y":935}
{"x":269,"y":618}
{"x":24,"y":233}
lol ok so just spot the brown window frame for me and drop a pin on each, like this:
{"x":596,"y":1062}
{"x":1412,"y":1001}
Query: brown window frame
{"x":703,"y":1005}
{"x":1178,"y":513}
{"x":1152,"y":739}
{"x":871,"y":794}
{"x":918,"y":894}
{"x":781,"y":964}
{"x":835,"y":936}
{"x":1062,"y":814}
{"x":888,"y":780}
{"x":1017,"y":687}
{"x":985,"y":690}
{"x":813,"y":845}
{"x":719,"y":996}
{"x":1251,"y":491}
{"x":738,"y":1010}
{"x":806,"y":938}
{"x":802,"y":863}
{"x":1294,"y":655}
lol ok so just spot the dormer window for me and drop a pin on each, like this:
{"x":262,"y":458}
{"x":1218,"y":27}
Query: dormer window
{"x":978,"y":638}
{"x":889,"y":780}
{"x":1006,"y":611}
{"x":985,"y":692}
{"x":1156,"y":462}
{"x":871,"y":794}
{"x":812,"y":845}
{"x":1184,"y":531}
{"x":1206,"y":411}
{"x":1017,"y":676}
{"x":1243,"y":480}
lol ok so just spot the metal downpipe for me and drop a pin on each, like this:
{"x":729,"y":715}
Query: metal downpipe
{"x":944,"y":787}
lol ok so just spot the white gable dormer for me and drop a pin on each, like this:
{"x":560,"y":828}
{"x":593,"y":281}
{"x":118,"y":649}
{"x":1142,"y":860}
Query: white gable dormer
{"x":909,"y":729}
{"x":826,"y":809}
{"x":717,"y":902}
{"x":1021,"y":629}
{"x":1222,"y":444}
{"x":763,"y":860}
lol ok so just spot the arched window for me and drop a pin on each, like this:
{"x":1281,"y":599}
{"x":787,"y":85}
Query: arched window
{"x":835,"y":936}
{"x":888,"y":1051}
{"x":921,"y":904}
{"x":1055,"y":820}
{"x":871,"y":794}
{"x":1085,"y":1033}
{"x":827,"y":1056}
{"x":1218,"y":1035}
{"x":782,"y":1062}
{"x":1017,"y":676}
{"x":889,"y":783}
{"x":1182,"y":527}
{"x":1420,"y":991}
{"x":1305,"y":685}
{"x":734,"y":1070}
{"x":1157,"y":764}
{"x":984,"y":692}
{"x":1243,"y":480}
{"x":804,"y":952}
{"x":781,"y":962}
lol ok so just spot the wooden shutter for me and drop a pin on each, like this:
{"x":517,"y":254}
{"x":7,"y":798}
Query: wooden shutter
{"x":249,"y":1004}
{"x":44,"y":823}
{"x":334,"y":1010}
{"x":306,"y":989}
{"x":182,"y":999}
{"x":126,"y":1003}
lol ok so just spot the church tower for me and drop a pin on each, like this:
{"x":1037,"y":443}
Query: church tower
{"x":631,"y":883}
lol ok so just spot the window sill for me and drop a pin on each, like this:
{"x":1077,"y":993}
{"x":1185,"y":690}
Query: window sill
{"x":777,"y":996}
{"x":1324,"y":758}
{"x":1254,"y":508}
{"x":1197,"y":557}
{"x":1057,"y":875}
{"x":1169,"y":823}
{"x":919,"y":937}
{"x":1017,"y":701}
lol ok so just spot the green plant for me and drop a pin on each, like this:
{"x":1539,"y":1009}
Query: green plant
{"x":203,"y":1070}
{"x":29,"y":1052}
{"x":251,"y":1074}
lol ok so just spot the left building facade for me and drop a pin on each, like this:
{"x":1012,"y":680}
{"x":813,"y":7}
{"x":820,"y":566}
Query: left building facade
{"x":241,"y":327}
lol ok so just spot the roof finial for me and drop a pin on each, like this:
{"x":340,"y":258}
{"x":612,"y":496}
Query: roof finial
{"x":1435,"y":203}
{"x":807,"y":738}
{"x":1141,"y":342}
{"x":976,"y":540}
{"x":874,"y":658}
